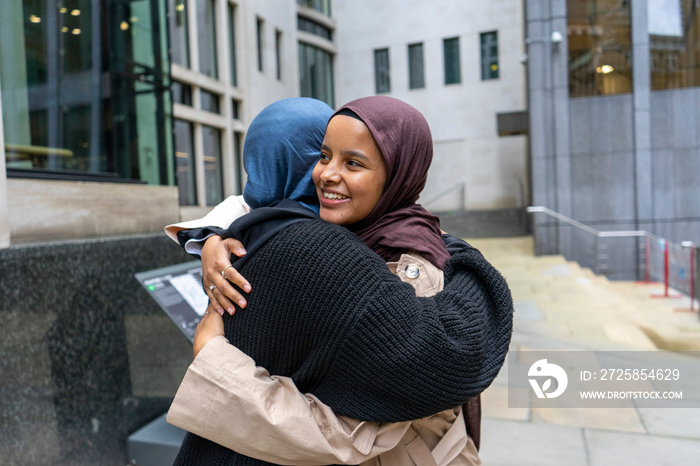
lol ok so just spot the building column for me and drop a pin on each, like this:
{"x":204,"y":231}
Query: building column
{"x":4,"y":211}
{"x":641,"y":108}
{"x":550,"y":138}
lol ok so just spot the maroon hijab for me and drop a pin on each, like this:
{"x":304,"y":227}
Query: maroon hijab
{"x":397,"y":224}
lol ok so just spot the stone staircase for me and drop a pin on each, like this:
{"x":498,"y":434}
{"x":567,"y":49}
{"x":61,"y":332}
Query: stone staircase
{"x":559,"y":299}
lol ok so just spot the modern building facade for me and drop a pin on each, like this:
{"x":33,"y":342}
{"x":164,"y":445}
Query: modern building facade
{"x":459,"y":63}
{"x":615,"y":128}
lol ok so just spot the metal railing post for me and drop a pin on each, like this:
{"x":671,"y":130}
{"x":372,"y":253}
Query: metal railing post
{"x":666,"y":268}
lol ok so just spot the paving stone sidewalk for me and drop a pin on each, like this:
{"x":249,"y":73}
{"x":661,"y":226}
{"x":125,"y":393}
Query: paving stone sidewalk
{"x":562,"y":307}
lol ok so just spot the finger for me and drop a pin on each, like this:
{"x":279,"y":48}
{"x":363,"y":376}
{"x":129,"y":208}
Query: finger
{"x":235,"y":247}
{"x":223,"y":301}
{"x":213,"y":302}
{"x":236,"y":278}
{"x":212,"y":308}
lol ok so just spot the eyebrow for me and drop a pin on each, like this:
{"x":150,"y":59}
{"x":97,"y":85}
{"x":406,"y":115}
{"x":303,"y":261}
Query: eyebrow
{"x":350,"y":152}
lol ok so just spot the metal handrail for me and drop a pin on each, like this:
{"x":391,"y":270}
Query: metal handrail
{"x":586,"y":228}
{"x":660,"y":253}
{"x":462,"y":189}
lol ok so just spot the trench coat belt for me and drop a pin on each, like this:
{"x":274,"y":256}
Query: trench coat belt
{"x":447,"y":449}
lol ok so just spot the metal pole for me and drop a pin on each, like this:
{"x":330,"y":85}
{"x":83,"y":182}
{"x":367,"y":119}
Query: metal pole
{"x":666,"y":269}
{"x":647,"y":260}
{"x":693,"y":257}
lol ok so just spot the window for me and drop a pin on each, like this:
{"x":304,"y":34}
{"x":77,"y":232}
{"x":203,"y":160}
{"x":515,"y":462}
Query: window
{"x":259,"y":39}
{"x":234,"y":109}
{"x":452,"y":63}
{"x":182,"y":93}
{"x":674,"y":45}
{"x":232,"y":44}
{"x":179,"y":33}
{"x":209,"y":101}
{"x":382,"y":82}
{"x":489,"y":55}
{"x":74,"y":109}
{"x":599,"y":38}
{"x":324,"y":6}
{"x":416,"y":75}
{"x":184,"y":155}
{"x":211,"y":142}
{"x":316,"y":73}
{"x":312,"y":27}
{"x":238,"y":162}
{"x":206,"y":34}
{"x":278,"y":53}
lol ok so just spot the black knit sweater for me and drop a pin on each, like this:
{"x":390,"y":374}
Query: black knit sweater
{"x":327,"y":312}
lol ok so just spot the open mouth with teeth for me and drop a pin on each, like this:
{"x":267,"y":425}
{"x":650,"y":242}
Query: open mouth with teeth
{"x":334,"y":197}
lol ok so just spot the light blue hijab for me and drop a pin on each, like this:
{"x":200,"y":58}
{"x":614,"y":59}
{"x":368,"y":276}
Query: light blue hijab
{"x":281,"y":148}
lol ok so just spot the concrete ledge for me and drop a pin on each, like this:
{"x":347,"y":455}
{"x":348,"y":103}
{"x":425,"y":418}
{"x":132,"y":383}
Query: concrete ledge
{"x":41,"y":210}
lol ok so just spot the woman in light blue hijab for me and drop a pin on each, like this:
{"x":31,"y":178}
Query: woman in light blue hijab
{"x":282,"y":170}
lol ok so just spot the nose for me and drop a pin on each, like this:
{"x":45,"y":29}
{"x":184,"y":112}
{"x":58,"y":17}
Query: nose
{"x":331,"y":172}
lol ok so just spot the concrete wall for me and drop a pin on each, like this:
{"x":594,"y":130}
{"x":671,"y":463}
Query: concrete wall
{"x":462,"y":116}
{"x":46,"y":210}
{"x":86,"y":357}
{"x":675,"y":138}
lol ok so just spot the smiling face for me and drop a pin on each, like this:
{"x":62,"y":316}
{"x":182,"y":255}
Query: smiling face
{"x":351,"y":173}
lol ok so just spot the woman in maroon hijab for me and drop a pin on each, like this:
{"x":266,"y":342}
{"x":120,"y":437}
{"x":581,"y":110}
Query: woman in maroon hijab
{"x":373,"y":166}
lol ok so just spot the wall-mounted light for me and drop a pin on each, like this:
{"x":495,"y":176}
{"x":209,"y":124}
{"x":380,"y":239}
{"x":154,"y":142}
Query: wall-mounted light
{"x":76,"y":31}
{"x":124,"y":26}
{"x":34,"y":19}
{"x":555,"y":38}
{"x":75,"y":12}
{"x":64,"y":29}
{"x":605,"y":69}
{"x":63,"y":10}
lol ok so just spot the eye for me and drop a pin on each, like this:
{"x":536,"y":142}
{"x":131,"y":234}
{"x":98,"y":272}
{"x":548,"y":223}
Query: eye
{"x":324,"y":158}
{"x":355,"y":164}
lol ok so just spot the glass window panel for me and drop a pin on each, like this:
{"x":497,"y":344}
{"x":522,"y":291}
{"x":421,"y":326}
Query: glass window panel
{"x":179,"y":33}
{"x":182,"y":93}
{"x":311,"y":26}
{"x":184,"y":155}
{"x":382,"y":79}
{"x":278,"y":53}
{"x":211,"y":139}
{"x":232,"y":44}
{"x":489,"y":55}
{"x":210,"y":101}
{"x":63,"y":112}
{"x":416,"y":75}
{"x":316,"y":73}
{"x":452,"y":62}
{"x":206,"y":35}
{"x":238,"y":163}
{"x":234,"y":109}
{"x":324,"y":6}
{"x":674,"y":43}
{"x":599,"y":37}
{"x":259,"y":41}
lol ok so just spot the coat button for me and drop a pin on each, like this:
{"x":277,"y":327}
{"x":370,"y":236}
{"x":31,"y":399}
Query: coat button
{"x":412,"y":271}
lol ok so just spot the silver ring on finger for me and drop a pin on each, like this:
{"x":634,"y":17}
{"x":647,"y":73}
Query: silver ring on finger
{"x":223,"y":272}
{"x":211,"y":287}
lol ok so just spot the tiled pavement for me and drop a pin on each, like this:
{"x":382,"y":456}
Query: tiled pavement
{"x":560,"y":306}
